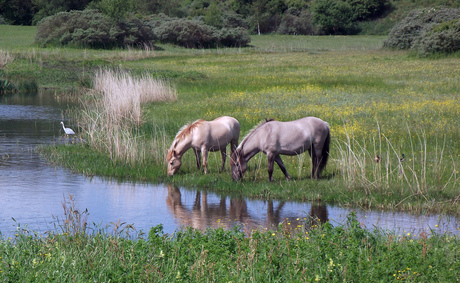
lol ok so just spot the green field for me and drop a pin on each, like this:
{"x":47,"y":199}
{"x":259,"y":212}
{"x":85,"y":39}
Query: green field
{"x":376,"y":102}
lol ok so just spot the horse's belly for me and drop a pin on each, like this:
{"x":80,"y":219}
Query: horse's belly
{"x":294,"y":148}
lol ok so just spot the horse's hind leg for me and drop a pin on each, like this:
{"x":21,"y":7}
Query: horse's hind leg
{"x":270,"y":163}
{"x":280,"y":163}
{"x":314,"y":161}
{"x":198,"y":158}
{"x":223,"y":153}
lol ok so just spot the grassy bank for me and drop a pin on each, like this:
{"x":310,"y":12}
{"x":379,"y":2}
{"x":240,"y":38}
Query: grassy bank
{"x":377,"y":102}
{"x":309,"y":252}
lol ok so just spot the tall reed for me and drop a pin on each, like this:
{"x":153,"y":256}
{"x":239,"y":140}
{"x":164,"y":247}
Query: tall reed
{"x":5,"y":58}
{"x":112,"y":114}
{"x":380,"y":165}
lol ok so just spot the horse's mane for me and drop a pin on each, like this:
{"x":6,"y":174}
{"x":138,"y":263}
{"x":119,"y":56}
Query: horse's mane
{"x":182,"y":133}
{"x":187,"y":129}
{"x":252,"y":131}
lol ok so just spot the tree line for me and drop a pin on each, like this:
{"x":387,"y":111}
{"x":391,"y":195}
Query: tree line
{"x":257,"y":16}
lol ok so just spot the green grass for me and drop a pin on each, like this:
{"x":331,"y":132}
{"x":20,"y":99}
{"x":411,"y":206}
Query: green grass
{"x":299,"y":250}
{"x":16,"y":37}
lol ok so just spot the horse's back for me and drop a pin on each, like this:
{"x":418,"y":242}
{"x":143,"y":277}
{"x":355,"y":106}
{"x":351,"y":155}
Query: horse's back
{"x":292,"y":137}
{"x":317,"y":128}
{"x":217,"y":133}
{"x":226,"y":124}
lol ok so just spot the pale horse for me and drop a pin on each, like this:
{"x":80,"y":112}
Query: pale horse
{"x":276,"y":138}
{"x":203,"y":136}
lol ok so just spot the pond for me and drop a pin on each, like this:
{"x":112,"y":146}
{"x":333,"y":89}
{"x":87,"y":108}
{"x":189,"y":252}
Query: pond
{"x":32,"y":191}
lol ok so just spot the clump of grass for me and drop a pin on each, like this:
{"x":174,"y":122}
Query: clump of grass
{"x":320,"y":252}
{"x":5,"y":58}
{"x":421,"y":170}
{"x":74,"y":221}
{"x":112,"y":113}
{"x":122,"y":95}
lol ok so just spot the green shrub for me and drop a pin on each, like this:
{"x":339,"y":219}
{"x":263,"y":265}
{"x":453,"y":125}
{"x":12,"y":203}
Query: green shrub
{"x":440,"y":38}
{"x":366,"y":9}
{"x":196,"y":34}
{"x":333,"y":16}
{"x":427,"y":31}
{"x":187,"y":33}
{"x":92,"y":29}
{"x":297,"y":22}
{"x":234,"y":37}
{"x":85,"y":28}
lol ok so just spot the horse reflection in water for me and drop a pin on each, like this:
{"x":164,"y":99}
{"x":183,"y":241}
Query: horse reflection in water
{"x":203,"y":214}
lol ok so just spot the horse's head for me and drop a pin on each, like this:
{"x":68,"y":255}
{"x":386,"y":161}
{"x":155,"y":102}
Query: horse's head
{"x":238,"y":165}
{"x":174,"y":162}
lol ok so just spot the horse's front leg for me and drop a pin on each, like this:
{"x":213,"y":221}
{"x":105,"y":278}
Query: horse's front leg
{"x":198,"y":158}
{"x":280,"y":163}
{"x":223,"y":153}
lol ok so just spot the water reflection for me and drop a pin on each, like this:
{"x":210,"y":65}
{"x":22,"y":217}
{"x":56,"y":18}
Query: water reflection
{"x":201,"y":210}
{"x":228,"y":211}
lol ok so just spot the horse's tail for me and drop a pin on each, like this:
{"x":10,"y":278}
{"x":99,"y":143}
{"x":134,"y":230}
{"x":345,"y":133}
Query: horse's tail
{"x":325,"y":152}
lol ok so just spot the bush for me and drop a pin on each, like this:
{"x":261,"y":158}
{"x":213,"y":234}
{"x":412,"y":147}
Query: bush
{"x":297,"y":22}
{"x":196,"y":34}
{"x":333,"y":16}
{"x":236,"y":37}
{"x":366,"y":9}
{"x":187,"y":33}
{"x":440,"y":38}
{"x":427,"y":31}
{"x":134,"y":32}
{"x":90,"y":28}
{"x":85,"y":28}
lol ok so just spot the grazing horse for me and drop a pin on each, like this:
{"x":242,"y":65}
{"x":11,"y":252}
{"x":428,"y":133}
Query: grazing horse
{"x":203,"y":136}
{"x":287,"y":138}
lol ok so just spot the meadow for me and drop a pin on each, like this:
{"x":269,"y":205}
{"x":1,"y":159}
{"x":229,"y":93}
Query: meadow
{"x":376,"y":101}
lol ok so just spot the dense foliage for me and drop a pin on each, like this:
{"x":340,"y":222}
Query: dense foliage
{"x":427,"y":31}
{"x":90,"y":28}
{"x":258,"y":16}
{"x":194,"y":33}
{"x":312,"y":17}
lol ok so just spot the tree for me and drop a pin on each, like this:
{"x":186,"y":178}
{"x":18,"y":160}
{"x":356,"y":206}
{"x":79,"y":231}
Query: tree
{"x":17,"y":12}
{"x":366,"y":9}
{"x":333,"y":16}
{"x":45,"y":8}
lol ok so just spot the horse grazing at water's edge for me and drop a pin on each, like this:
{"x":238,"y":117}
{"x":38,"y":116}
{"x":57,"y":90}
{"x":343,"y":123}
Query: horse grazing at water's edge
{"x":276,"y":138}
{"x":203,"y":136}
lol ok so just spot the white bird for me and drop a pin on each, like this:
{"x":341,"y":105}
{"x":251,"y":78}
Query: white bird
{"x":68,"y":131}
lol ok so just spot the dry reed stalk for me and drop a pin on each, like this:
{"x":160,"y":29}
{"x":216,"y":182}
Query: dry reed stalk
{"x":417,"y":174}
{"x":113,"y":111}
{"x":5,"y":58}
